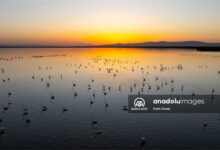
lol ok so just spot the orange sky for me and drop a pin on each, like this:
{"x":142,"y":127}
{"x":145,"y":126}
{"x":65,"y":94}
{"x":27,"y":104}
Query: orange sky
{"x":74,"y":22}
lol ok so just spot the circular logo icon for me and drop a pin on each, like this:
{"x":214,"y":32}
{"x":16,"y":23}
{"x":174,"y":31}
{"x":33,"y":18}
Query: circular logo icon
{"x":139,"y":102}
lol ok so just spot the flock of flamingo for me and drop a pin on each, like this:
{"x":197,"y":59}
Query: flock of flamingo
{"x":150,"y":78}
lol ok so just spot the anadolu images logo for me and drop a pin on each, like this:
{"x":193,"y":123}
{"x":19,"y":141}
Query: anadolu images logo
{"x":139,"y":102}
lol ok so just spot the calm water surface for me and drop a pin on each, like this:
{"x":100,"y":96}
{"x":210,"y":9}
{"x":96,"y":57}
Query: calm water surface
{"x":82,"y":81}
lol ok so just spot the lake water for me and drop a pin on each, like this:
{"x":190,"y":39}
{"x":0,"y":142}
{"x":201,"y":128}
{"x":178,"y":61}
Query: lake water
{"x":50,"y":81}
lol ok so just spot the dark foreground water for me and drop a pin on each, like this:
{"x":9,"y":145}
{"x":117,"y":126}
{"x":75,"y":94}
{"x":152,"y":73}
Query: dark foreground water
{"x":72,"y":98}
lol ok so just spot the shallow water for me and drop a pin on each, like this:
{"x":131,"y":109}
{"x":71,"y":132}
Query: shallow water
{"x":29,"y":71}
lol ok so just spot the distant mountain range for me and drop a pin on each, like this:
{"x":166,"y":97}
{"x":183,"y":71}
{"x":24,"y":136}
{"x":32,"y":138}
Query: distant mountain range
{"x":167,"y":44}
{"x":162,"y":44}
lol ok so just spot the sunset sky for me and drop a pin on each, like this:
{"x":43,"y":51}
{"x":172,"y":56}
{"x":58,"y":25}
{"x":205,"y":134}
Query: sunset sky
{"x":82,"y":22}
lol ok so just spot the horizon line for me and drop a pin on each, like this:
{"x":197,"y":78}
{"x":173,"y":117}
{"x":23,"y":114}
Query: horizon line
{"x":5,"y":45}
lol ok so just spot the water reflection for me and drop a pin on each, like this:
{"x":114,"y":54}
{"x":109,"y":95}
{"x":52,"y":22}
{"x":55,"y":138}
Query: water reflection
{"x":77,"y":98}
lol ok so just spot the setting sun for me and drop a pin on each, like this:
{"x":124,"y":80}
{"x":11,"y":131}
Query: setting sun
{"x":86,"y":22}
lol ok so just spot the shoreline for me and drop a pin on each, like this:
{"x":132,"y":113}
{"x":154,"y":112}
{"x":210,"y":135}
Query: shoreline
{"x":209,"y":49}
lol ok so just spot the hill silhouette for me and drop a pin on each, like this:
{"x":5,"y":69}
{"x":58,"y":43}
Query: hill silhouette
{"x":168,"y":44}
{"x":202,"y":46}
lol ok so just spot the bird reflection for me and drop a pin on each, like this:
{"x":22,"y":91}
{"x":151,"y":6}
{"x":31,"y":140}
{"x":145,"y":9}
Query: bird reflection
{"x":101,"y":82}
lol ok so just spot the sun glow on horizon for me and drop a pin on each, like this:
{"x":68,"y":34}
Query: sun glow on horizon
{"x":86,"y":22}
